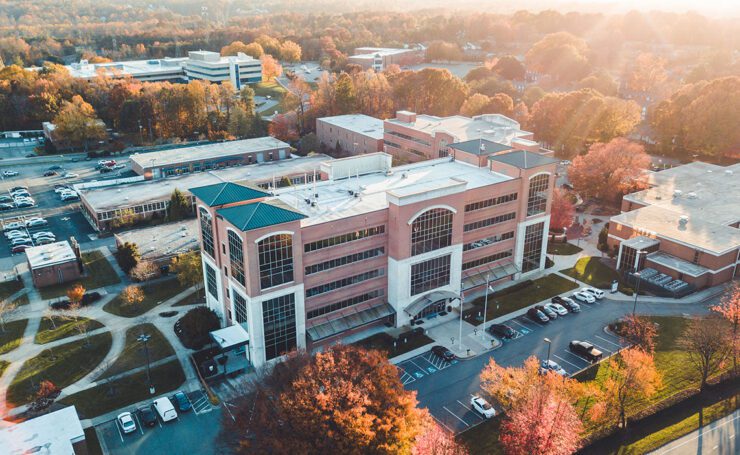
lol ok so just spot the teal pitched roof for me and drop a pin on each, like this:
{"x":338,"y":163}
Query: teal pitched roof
{"x":226,"y":193}
{"x":258,"y":215}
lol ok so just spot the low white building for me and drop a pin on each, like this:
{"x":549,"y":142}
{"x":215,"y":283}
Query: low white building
{"x":57,"y":433}
{"x":211,"y":66}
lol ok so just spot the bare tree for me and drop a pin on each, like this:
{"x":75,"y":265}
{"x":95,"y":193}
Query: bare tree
{"x":7,"y":308}
{"x":705,"y":342}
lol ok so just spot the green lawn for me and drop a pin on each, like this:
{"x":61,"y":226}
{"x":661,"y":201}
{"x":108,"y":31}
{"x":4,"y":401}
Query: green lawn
{"x":406,"y":342}
{"x":154,"y":294}
{"x":564,"y":249}
{"x":592,"y":271}
{"x":63,"y":365}
{"x":517,"y":297}
{"x":133,"y":353}
{"x":8,"y":288}
{"x":268,"y":88}
{"x":125,"y":391}
{"x":10,"y":338}
{"x":99,"y":273}
{"x":58,"y":327}
{"x":193,"y":299}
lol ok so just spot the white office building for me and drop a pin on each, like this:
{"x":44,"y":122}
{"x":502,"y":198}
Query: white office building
{"x":211,"y":66}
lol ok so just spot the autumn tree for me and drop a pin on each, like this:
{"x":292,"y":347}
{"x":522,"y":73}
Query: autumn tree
{"x":433,"y":91}
{"x":270,"y":68}
{"x":144,"y":270}
{"x":342,"y":400}
{"x":269,"y":44}
{"x":645,"y":73}
{"x":284,"y":127}
{"x":290,"y":51}
{"x":705,"y":342}
{"x":729,"y":308}
{"x":476,"y":104}
{"x":610,"y":170}
{"x":639,"y":331}
{"x":188,"y":268}
{"x":179,"y":206}
{"x":132,"y":295}
{"x":509,"y":67}
{"x":75,"y":294}
{"x":240,"y":123}
{"x":562,"y":211}
{"x":253,"y":49}
{"x":562,"y":55}
{"x":442,"y":50}
{"x":124,"y":218}
{"x":77,"y":124}
{"x":600,"y":81}
{"x":435,"y":440}
{"x":345,"y":93}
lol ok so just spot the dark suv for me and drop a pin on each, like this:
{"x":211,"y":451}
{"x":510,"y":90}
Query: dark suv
{"x":537,"y":315}
{"x":501,"y":330}
{"x":585,"y":350}
{"x":443,"y":353}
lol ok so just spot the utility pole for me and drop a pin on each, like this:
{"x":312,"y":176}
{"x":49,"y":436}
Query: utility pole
{"x":549,"y":345}
{"x":144,"y":338}
{"x":485,"y":305}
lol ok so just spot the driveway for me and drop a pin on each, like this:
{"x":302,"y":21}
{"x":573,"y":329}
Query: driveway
{"x":718,"y":437}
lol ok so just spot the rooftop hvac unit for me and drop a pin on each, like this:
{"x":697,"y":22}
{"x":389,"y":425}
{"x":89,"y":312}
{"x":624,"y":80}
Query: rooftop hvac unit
{"x":683,"y":220}
{"x":691,"y":195}
{"x":388,"y":173}
{"x":728,"y":171}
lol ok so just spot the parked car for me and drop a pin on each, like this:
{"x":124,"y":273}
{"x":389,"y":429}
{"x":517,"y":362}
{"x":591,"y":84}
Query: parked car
{"x":182,"y":401}
{"x":483,"y":407}
{"x":558,"y":308}
{"x":87,"y":299}
{"x":164,"y":408}
{"x":584,"y":297}
{"x":551,"y":365}
{"x":568,"y":303}
{"x":18,"y":193}
{"x":44,"y":241}
{"x":5,"y":206}
{"x":18,"y":187}
{"x":502,"y":330}
{"x":597,"y":293}
{"x":106,"y":169}
{"x":537,"y":315}
{"x":69,"y":196}
{"x":35,"y":222}
{"x":126,"y":421}
{"x":37,"y":235}
{"x":16,"y":233}
{"x":13,"y":226}
{"x":24,"y":204}
{"x":19,"y":248}
{"x":443,"y":353}
{"x":56,"y":167}
{"x":61,"y":188}
{"x":550,"y":313}
{"x":585,"y":350}
{"x":147,"y":417}
{"x":50,"y":173}
{"x":10,"y":173}
{"x":70,"y":175}
{"x":20,"y":241}
{"x":6,"y":199}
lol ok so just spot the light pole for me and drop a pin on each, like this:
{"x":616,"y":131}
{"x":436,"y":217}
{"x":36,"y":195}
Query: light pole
{"x":485,"y":304}
{"x":549,"y":344}
{"x":144,"y":338}
{"x":637,"y":291}
{"x":462,"y":302}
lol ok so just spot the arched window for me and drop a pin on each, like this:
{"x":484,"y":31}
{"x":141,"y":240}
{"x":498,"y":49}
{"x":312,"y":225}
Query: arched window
{"x":276,"y":260}
{"x":537,"y":199}
{"x":206,"y":231}
{"x":431,"y":231}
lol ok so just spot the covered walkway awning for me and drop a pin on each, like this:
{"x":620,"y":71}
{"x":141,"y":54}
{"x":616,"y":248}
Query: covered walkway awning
{"x":493,"y":273}
{"x":231,"y":337}
{"x":321,"y":329}
{"x":426,"y":300}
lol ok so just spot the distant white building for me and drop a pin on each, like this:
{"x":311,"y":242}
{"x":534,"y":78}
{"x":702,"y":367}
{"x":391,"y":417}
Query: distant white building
{"x":211,"y":66}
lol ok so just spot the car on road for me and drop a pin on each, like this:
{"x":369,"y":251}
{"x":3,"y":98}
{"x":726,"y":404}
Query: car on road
{"x":502,"y":330}
{"x":584,"y":297}
{"x":126,"y":421}
{"x":10,"y":173}
{"x":585,"y":350}
{"x":19,"y":248}
{"x":6,"y":206}
{"x":558,"y":308}
{"x":13,"y":226}
{"x":550,"y":313}
{"x":50,"y":173}
{"x":71,"y":175}
{"x":483,"y":407}
{"x":537,"y":315}
{"x":597,"y":293}
{"x":443,"y":353}
{"x":35,"y":222}
{"x":147,"y":417}
{"x":182,"y":401}
{"x":551,"y":365}
{"x":568,"y":303}
{"x":164,"y":408}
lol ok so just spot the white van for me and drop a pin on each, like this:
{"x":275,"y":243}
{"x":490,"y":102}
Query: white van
{"x":165,"y":409}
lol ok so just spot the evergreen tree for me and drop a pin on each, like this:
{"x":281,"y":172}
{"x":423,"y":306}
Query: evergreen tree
{"x":179,"y":206}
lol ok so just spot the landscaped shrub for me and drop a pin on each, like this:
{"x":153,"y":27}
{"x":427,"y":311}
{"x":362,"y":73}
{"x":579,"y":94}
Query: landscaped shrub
{"x":194,"y":328}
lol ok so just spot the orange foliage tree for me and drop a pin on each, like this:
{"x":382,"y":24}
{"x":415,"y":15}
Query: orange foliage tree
{"x":435,"y":440}
{"x":75,"y":294}
{"x":639,"y":331}
{"x":729,"y":308}
{"x":562,"y":210}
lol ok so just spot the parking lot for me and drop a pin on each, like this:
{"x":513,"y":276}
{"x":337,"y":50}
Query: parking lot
{"x":194,"y":432}
{"x":421,"y":366}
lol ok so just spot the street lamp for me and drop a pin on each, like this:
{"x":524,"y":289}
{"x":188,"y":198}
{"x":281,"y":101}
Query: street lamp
{"x":549,"y":344}
{"x":637,"y":291}
{"x":485,"y":305}
{"x":144,"y":338}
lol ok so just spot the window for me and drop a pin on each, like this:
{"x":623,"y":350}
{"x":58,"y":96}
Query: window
{"x":487,"y":259}
{"x":206,"y":232}
{"x":490,"y":202}
{"x":343,"y":238}
{"x":278,"y":318}
{"x":430,"y":274}
{"x":240,"y":309}
{"x":532,"y":247}
{"x":236,"y":257}
{"x":431,"y":231}
{"x":211,"y":281}
{"x":338,"y":262}
{"x":537,"y":200}
{"x":489,"y":221}
{"x":344,"y":304}
{"x":276,"y":260}
{"x":344,"y":282}
{"x":696,"y":257}
{"x":490,"y":240}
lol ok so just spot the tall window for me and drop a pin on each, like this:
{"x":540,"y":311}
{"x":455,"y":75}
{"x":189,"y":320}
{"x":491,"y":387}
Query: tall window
{"x":532,"y":246}
{"x":240,"y":308}
{"x":537,"y":200}
{"x":276,"y":260}
{"x":236,"y":256}
{"x":278,"y":317}
{"x":431,"y":231}
{"x":206,"y":231}
{"x":430,"y":274}
{"x":211,"y":281}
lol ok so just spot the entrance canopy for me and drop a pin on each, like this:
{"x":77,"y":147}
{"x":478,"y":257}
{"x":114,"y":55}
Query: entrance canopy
{"x":424,"y":301}
{"x":231,"y":337}
{"x":330,"y":327}
{"x":492,"y":273}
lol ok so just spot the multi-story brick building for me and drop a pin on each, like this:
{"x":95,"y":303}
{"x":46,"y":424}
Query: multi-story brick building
{"x":352,"y":133}
{"x":685,"y":225}
{"x":369,"y":244}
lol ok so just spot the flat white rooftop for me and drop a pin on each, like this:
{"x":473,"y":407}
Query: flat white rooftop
{"x":335,"y":201}
{"x":357,"y":123}
{"x":51,"y":254}
{"x":207,"y":152}
{"x":493,"y":127}
{"x":134,"y":68}
{"x":163,"y":240}
{"x":52,"y":433}
{"x":133,"y":194}
{"x":370,"y":52}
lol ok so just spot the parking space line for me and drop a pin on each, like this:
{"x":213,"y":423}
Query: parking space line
{"x":602,"y":349}
{"x":138,"y":423}
{"x":118,"y":427}
{"x":519,"y":324}
{"x":430,"y":362}
{"x":455,"y":415}
{"x":469,"y":409}
{"x":416,"y":365}
{"x":563,"y":360}
{"x":442,"y":423}
{"x":577,"y":357}
{"x":610,"y":342}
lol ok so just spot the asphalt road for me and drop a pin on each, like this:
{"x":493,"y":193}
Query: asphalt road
{"x":718,"y":437}
{"x":447,"y":391}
